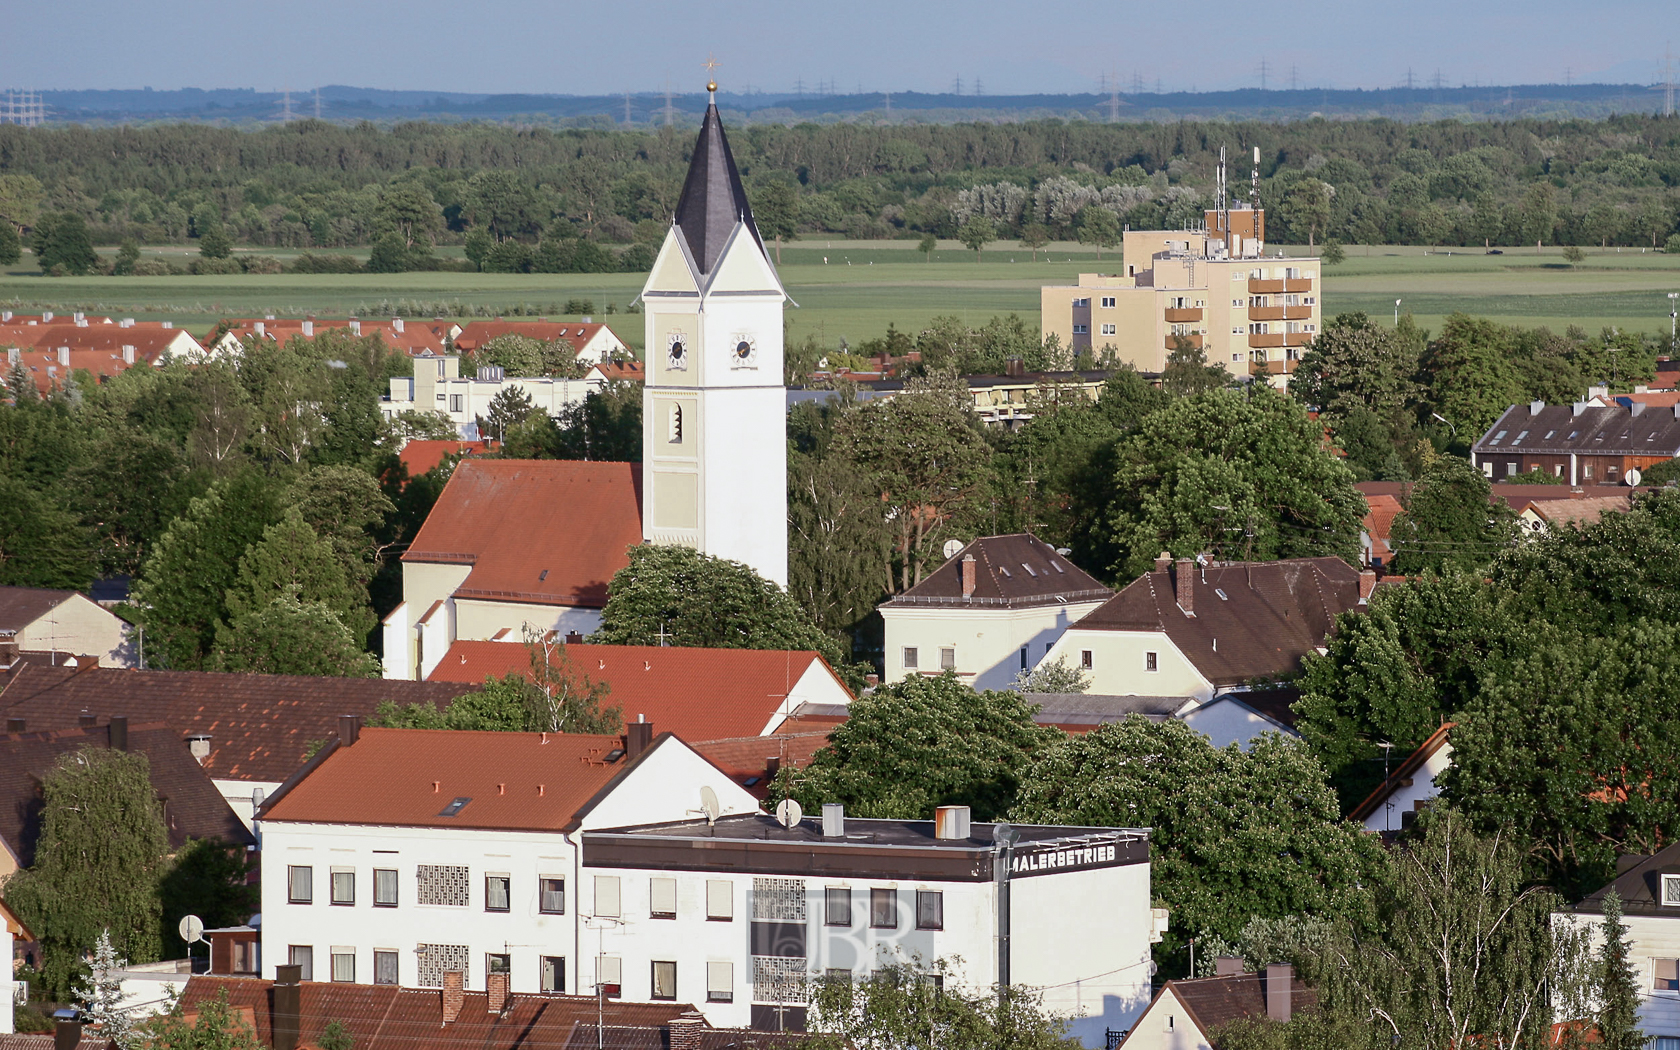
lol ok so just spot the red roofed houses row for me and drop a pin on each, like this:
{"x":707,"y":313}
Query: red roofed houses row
{"x":50,"y":352}
{"x":591,"y":341}
{"x":414,"y":338}
{"x":511,"y":546}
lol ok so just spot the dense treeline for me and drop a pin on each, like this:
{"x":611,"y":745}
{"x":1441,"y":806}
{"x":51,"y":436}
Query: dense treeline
{"x":312,"y":184}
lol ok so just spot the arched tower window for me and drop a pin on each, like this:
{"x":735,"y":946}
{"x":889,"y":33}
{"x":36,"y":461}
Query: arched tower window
{"x":674,"y":425}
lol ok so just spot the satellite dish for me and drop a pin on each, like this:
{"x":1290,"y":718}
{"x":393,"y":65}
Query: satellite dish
{"x":709,"y":803}
{"x":1005,"y":834}
{"x":191,"y":929}
{"x":1632,"y":476}
{"x":954,"y":548}
{"x":788,"y":813}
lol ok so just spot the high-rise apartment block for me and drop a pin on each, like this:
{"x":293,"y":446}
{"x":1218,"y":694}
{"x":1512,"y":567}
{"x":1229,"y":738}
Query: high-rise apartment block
{"x":1214,"y":287}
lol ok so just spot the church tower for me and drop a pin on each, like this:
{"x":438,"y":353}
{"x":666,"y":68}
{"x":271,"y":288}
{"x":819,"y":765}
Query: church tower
{"x":714,"y":411}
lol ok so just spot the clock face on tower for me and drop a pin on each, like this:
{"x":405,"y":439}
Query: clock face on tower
{"x":676,"y":350}
{"x":744,"y":352}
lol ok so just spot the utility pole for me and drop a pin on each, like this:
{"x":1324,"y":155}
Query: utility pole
{"x":670,"y":111}
{"x":1409,"y":83}
{"x":1264,"y":69}
{"x":956,"y":86}
{"x":317,"y":103}
{"x":1292,"y":78}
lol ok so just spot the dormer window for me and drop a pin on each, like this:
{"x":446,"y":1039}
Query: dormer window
{"x":1671,"y":891}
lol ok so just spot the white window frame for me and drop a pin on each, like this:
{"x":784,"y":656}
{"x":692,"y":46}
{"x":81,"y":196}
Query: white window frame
{"x":720,"y":982}
{"x":345,"y":956}
{"x":1671,"y":889}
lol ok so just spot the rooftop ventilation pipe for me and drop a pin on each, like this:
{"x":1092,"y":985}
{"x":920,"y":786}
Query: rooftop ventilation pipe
{"x":1279,"y":991}
{"x":965,"y":569}
{"x":349,"y":729}
{"x":951,"y":823}
{"x":834,"y":820}
{"x":119,"y":732}
{"x":287,"y":1017}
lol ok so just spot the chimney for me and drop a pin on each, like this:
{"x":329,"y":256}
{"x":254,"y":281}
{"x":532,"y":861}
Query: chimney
{"x":349,"y":729}
{"x":1367,"y":584}
{"x":78,"y":317}
{"x":397,"y":325}
{"x":1163,"y":561}
{"x":128,"y":353}
{"x":1279,"y":991}
{"x":1014,"y":367}
{"x":87,"y":720}
{"x":870,"y":681}
{"x":198,"y":745}
{"x":119,"y":732}
{"x":355,"y":327}
{"x":46,"y":315}
{"x":5,"y":316}
{"x":638,"y":736}
{"x":453,"y":992}
{"x":1578,"y":407}
{"x":965,"y":569}
{"x":772,"y":768}
{"x":17,"y":725}
{"x":574,"y":638}
{"x":64,"y":356}
{"x":834,"y":820}
{"x":1534,"y":407}
{"x":496,"y":991}
{"x":309,"y":328}
{"x":951,"y":823}
{"x":1638,"y":408}
{"x":1185,"y":586}
{"x":67,"y":1033}
{"x":286,"y":1017}
{"x":1227,"y":966}
{"x":14,"y":356}
{"x":685,"y":1031}
{"x":167,"y":324}
{"x":260,"y":329}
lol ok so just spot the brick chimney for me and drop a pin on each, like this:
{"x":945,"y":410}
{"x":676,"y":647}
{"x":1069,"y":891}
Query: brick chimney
{"x":397,"y":325}
{"x":1185,"y":586}
{"x":67,"y":1033}
{"x":1367,"y":584}
{"x":685,"y":1030}
{"x":638,"y":736}
{"x":1163,"y":561}
{"x":496,"y":991}
{"x":119,"y":732}
{"x":286,"y":1017}
{"x":1279,"y":991}
{"x":17,"y":725}
{"x":965,"y":569}
{"x":454,"y":983}
{"x":349,"y":729}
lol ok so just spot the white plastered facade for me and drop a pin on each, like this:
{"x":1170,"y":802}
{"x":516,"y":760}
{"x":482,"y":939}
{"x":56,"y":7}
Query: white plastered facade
{"x":987,"y":641}
{"x":81,"y":626}
{"x":714,"y":420}
{"x":1119,"y":663}
{"x":1650,"y":938}
{"x":664,"y":786}
{"x":437,"y":386}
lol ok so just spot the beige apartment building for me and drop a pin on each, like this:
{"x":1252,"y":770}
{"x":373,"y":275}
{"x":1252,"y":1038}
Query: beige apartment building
{"x":1214,"y":287}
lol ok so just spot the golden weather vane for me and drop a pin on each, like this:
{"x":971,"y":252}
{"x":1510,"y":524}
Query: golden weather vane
{"x":711,"y":64}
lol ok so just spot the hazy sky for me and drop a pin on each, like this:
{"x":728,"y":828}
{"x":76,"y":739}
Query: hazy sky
{"x":607,"y":46}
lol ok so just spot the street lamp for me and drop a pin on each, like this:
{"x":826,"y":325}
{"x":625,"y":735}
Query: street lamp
{"x":1448,"y":422}
{"x":1673,"y":315}
{"x":1397,"y":312}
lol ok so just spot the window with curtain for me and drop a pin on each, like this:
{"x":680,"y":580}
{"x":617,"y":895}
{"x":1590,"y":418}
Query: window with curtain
{"x":664,"y":980}
{"x":496,"y":892}
{"x":553,"y":895}
{"x":384,"y":967}
{"x":384,"y":887}
{"x":300,"y":883}
{"x":344,"y":886}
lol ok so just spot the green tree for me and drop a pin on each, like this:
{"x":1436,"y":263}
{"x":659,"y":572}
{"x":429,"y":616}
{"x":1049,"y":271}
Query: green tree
{"x":288,"y":636}
{"x":291,"y":561}
{"x":211,"y":879}
{"x":346,"y":508}
{"x":1450,"y":518}
{"x":1241,"y":475}
{"x":41,"y":544}
{"x":1098,"y":227}
{"x":20,"y":200}
{"x":1470,"y":374}
{"x":1617,"y":983}
{"x":1464,"y":950}
{"x":1052,"y":677}
{"x":11,"y":245}
{"x":836,"y":542}
{"x":1353,"y":363}
{"x":335,"y":1036}
{"x":1538,"y":214}
{"x":127,"y":256}
{"x":478,"y":245}
{"x":408,"y":211}
{"x":920,"y":743}
{"x":290,"y":387}
{"x":214,"y":242}
{"x":1573,"y":255}
{"x":898,"y":1007}
{"x":183,"y":585}
{"x":1306,"y":209}
{"x":976,"y":233}
{"x":217,"y":1026}
{"x":554,"y":696}
{"x":777,"y":213}
{"x":923,"y":452}
{"x":926,"y":246}
{"x":508,"y":409}
{"x":100,"y":996}
{"x":679,"y":596}
{"x":390,"y":254}
{"x":1187,"y":371}
{"x":1035,"y":236}
{"x":97,"y":863}
{"x":61,"y":241}
{"x":1333,"y":253}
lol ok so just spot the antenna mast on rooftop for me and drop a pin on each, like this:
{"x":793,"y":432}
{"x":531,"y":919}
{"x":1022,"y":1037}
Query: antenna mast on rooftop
{"x":1221,"y":199}
{"x":1254,"y":184}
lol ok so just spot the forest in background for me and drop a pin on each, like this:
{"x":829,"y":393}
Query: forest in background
{"x":312,"y":184}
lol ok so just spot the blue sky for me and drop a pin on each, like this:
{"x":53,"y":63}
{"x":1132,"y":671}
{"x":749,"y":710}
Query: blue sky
{"x":607,"y":46}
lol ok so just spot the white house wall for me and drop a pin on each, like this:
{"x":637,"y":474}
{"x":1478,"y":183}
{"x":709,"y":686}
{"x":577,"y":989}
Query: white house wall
{"x":1650,"y":937}
{"x":80,"y":625}
{"x":480,"y":620}
{"x":1227,"y":721}
{"x":1083,"y":937}
{"x":1405,"y":798}
{"x":8,"y":987}
{"x":1119,"y":663}
{"x":988,"y":639}
{"x":1166,"y":1026}
{"x":240,"y":796}
{"x":665,"y":786}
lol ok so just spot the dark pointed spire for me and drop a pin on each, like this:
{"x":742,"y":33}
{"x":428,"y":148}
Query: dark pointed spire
{"x":713,"y":199}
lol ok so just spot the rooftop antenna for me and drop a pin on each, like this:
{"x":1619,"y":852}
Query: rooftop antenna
{"x":1221,"y":201}
{"x":788,"y":813}
{"x":1254,"y":183}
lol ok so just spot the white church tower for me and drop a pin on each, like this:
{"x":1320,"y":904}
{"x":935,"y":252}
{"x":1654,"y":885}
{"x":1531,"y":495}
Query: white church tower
{"x":714,"y":411}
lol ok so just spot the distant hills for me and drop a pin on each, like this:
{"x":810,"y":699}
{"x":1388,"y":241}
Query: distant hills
{"x":244,"y":106}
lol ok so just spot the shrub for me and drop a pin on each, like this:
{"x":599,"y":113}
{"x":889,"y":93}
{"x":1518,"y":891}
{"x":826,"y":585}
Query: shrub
{"x":263,"y":264}
{"x":309,"y":262}
{"x":151,"y":268}
{"x":206,"y":266}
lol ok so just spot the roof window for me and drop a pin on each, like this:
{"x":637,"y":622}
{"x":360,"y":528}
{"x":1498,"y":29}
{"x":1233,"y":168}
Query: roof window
{"x":1055,"y":565}
{"x":1571,"y":436}
{"x":455,"y":807}
{"x":1029,"y":569}
{"x":1005,"y":571}
{"x":1518,"y":439}
{"x":1497,"y":438}
{"x":1221,"y":592}
{"x":1548,"y":436}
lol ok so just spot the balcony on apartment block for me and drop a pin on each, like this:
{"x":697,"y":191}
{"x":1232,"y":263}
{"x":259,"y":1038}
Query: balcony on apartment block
{"x":1195,"y":340}
{"x":1256,"y":286}
{"x":1183,"y":315}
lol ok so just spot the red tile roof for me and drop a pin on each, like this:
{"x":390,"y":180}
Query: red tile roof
{"x":473,"y":336}
{"x":748,"y":757}
{"x":25,"y":1041}
{"x":416,"y":339}
{"x":1379,"y":523}
{"x":1577,"y":511}
{"x":421,"y":456}
{"x":551,"y":532}
{"x":383,"y":1017}
{"x":260,"y":725}
{"x":698,"y":694}
{"x":193,"y":808}
{"x":630,"y":371}
{"x":405,"y":778}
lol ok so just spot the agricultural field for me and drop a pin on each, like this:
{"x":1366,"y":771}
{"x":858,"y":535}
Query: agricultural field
{"x":852,"y":290}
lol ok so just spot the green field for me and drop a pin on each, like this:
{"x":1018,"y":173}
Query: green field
{"x":854,"y":289}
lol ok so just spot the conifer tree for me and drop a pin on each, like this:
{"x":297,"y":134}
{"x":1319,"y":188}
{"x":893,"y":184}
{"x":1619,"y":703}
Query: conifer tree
{"x":1618,"y":988}
{"x":100,"y":995}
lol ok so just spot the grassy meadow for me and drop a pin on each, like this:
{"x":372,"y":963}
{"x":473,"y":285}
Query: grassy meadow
{"x":853,"y":290}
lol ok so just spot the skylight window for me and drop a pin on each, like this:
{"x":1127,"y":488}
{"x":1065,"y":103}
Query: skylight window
{"x":1221,"y":592}
{"x":1029,"y":569}
{"x":1572,"y":434}
{"x":1518,"y":439}
{"x":1005,"y":572}
{"x":1056,"y":565}
{"x":455,"y":807}
{"x":1548,"y":436}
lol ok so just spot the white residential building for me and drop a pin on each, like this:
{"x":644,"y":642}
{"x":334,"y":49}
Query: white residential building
{"x":11,"y":929}
{"x":990,"y":612}
{"x":1186,"y":1014}
{"x":1411,"y":786}
{"x":437,"y":386}
{"x":1649,"y":887}
{"x":742,"y":914}
{"x":39,"y":620}
{"x":395,"y":856}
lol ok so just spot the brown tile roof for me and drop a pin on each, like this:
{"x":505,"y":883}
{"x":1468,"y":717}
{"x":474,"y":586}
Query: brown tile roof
{"x":1577,"y":511}
{"x":1593,"y":429}
{"x":23,"y":1041}
{"x":1402,"y":776}
{"x":260,"y":726}
{"x":406,"y":777}
{"x":550,"y":532}
{"x":1014,"y":570}
{"x":194,"y":807}
{"x":698,"y":694}
{"x":1639,"y":884}
{"x":1271,"y":614}
{"x":1214,"y":1001}
{"x":1379,"y":523}
{"x":384,"y":1017}
{"x":22,"y":606}
{"x":747,"y":758}
{"x":473,"y":336}
{"x":421,"y":456}
{"x":1514,"y":496}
